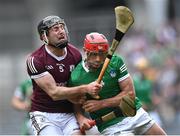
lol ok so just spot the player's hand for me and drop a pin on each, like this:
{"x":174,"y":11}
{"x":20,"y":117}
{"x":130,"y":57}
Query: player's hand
{"x":92,"y":105}
{"x":79,"y":99}
{"x":26,"y":106}
{"x":86,"y":124}
{"x":93,"y":88}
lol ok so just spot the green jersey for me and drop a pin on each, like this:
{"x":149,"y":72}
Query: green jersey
{"x":143,"y":88}
{"x":24,"y":92}
{"x":115,"y":73}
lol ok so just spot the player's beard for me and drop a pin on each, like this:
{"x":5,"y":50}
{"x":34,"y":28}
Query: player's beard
{"x":62,"y":44}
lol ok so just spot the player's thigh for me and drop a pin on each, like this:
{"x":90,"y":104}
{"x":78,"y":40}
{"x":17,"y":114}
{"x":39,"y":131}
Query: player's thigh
{"x":44,"y":123}
{"x":93,"y":131}
{"x":50,"y":130}
{"x":139,"y":124}
{"x":155,"y":130}
{"x":71,"y":126}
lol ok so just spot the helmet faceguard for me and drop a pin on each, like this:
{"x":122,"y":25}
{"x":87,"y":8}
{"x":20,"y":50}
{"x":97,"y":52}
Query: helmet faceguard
{"x":49,"y":21}
{"x":96,"y":42}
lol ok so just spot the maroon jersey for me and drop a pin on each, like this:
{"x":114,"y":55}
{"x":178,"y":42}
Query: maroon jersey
{"x":41,"y":62}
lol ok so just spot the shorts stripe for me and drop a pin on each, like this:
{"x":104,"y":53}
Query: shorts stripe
{"x":35,"y":124}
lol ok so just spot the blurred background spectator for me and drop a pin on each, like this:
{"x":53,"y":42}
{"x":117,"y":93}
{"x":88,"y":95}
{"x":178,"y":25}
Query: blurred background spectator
{"x":155,"y":36}
{"x":21,"y":101}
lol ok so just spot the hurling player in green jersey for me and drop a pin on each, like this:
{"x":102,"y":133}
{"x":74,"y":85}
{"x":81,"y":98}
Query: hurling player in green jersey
{"x":117,"y":83}
{"x":144,"y":88}
{"x":21,"y":101}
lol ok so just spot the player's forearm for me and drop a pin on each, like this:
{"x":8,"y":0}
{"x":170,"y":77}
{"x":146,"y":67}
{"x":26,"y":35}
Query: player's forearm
{"x":111,"y":102}
{"x":48,"y":84}
{"x":61,"y":93}
{"x":127,"y":89}
{"x":78,"y":112}
{"x":68,"y":92}
{"x":114,"y":101}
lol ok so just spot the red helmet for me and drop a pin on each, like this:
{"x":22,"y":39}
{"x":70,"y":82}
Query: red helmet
{"x":95,"y":42}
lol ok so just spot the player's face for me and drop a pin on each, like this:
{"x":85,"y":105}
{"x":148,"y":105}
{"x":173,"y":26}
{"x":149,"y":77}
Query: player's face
{"x":95,"y":59}
{"x":57,"y":34}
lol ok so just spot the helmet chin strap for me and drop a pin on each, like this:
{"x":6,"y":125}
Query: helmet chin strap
{"x":61,"y":45}
{"x":46,"y":41}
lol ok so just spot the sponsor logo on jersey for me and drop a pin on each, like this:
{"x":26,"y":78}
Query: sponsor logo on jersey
{"x":49,"y":67}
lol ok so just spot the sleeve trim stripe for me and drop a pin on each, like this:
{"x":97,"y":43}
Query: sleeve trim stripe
{"x":39,"y":75}
{"x":31,"y":65}
{"x":123,"y":68}
{"x":124,"y":77}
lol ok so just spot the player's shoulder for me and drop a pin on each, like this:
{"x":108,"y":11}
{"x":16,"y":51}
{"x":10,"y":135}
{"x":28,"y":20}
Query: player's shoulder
{"x":77,"y":72}
{"x":74,"y":52}
{"x":116,"y":62}
{"x":117,"y":58}
{"x":38,"y":53}
{"x":78,"y":67}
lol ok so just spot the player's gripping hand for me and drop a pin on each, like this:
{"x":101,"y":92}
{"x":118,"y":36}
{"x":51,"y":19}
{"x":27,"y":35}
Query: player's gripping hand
{"x":93,"y":88}
{"x":86,"y":124}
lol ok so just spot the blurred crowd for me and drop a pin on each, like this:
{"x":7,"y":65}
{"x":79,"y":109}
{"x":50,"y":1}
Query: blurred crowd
{"x":160,"y":47}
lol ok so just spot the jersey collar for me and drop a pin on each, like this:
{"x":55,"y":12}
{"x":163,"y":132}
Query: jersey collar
{"x":83,"y":65}
{"x":54,"y":56}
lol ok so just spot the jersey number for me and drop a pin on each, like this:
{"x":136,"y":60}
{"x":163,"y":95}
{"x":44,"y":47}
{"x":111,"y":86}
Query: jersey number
{"x":61,"y":67}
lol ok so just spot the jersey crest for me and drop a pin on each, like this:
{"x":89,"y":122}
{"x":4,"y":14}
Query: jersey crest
{"x":112,"y":73}
{"x":71,"y":68}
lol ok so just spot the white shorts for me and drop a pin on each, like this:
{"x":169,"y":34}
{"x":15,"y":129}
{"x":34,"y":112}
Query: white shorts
{"x":137,"y":125}
{"x":155,"y":115}
{"x":44,"y":123}
{"x":93,"y":131}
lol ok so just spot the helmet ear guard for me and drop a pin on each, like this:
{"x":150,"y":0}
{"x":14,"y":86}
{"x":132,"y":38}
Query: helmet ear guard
{"x":96,"y":42}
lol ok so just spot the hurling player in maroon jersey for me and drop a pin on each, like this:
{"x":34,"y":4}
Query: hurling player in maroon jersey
{"x":50,"y":67}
